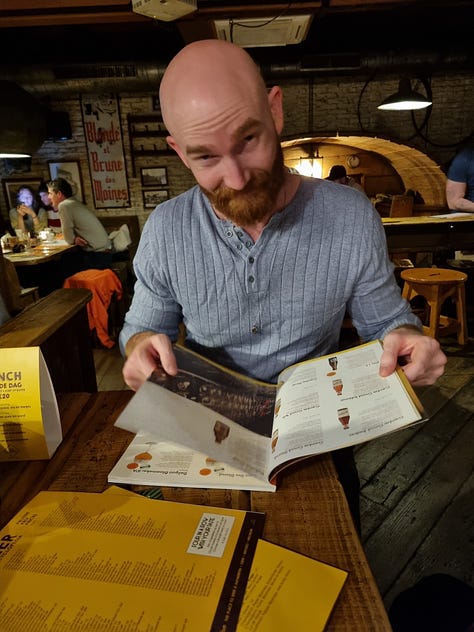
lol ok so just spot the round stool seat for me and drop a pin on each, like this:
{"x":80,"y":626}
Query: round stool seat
{"x":436,"y":285}
{"x":433,"y":275}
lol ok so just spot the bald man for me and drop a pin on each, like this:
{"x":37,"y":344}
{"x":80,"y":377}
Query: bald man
{"x":255,"y":261}
{"x":259,"y":264}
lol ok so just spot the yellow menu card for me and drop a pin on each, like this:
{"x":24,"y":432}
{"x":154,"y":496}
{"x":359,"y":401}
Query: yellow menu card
{"x":288,"y":591}
{"x":285,"y":590}
{"x":30,"y":426}
{"x":83,"y":562}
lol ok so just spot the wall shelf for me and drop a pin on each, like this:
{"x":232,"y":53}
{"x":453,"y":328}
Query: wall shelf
{"x":147,"y":136}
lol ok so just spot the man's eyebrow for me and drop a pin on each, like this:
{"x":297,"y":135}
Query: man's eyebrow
{"x":249,"y":125}
{"x":197,"y":150}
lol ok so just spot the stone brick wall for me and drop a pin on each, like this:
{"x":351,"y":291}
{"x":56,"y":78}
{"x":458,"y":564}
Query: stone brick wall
{"x":340,"y":107}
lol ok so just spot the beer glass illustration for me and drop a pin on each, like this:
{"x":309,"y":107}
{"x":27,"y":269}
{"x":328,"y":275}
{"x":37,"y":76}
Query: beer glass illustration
{"x":337,"y":386}
{"x":344,"y":417}
{"x":333,"y":363}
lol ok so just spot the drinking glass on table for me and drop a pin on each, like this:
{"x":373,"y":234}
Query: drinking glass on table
{"x":23,"y":237}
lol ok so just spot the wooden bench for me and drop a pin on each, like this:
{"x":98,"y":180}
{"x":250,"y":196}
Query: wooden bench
{"x":58,"y":325}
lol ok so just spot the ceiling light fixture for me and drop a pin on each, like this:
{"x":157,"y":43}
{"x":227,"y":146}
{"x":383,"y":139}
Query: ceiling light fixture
{"x":405,"y":98}
{"x":22,"y":122}
{"x":311,"y":165}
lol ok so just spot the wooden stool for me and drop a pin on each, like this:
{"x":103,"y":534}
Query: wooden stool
{"x":435,"y":285}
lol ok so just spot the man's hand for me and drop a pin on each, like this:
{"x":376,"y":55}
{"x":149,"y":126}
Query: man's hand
{"x":80,"y":241}
{"x":145,"y":352}
{"x":420,"y":356}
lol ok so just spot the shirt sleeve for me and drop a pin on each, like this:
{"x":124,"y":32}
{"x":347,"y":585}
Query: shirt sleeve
{"x":376,"y":306}
{"x":14,"y":218}
{"x":153,"y":307}
{"x":457,"y":171}
{"x":67,"y":226}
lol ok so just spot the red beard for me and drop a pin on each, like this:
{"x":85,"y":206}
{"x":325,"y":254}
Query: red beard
{"x":253,"y":203}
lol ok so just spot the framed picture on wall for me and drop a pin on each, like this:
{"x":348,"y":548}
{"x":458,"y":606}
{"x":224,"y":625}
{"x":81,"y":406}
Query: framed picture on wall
{"x":152,"y":197}
{"x":12,"y":185}
{"x":69,"y":171}
{"x":154,"y":176}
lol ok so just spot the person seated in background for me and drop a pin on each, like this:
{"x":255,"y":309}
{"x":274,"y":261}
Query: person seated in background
{"x":338,"y":174}
{"x":80,"y":226}
{"x":460,"y":181}
{"x":28,"y":215}
{"x":54,"y":221}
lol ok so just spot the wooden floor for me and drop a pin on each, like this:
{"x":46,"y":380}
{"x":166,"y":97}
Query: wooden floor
{"x":417,"y":485}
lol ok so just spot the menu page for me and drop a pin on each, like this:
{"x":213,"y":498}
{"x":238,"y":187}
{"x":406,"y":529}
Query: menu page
{"x":30,"y":426}
{"x":115,"y":562}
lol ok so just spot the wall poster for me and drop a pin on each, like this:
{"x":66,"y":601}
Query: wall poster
{"x":69,"y":171}
{"x":103,"y":133}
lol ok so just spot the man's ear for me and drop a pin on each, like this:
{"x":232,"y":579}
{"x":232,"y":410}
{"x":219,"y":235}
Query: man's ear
{"x":275,"y":100}
{"x":174,"y":145}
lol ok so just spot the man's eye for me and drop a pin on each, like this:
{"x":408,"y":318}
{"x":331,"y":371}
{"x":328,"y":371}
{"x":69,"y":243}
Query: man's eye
{"x":206,"y":158}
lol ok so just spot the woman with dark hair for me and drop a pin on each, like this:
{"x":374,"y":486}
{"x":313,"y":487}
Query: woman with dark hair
{"x":28,"y":215}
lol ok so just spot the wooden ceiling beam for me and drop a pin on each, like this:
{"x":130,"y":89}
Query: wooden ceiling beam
{"x":69,"y":19}
{"x":31,"y":13}
{"x":35,"y":5}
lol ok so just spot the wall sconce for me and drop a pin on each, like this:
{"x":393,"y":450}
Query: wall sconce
{"x":406,"y":98}
{"x":22,"y":122}
{"x":311,"y":165}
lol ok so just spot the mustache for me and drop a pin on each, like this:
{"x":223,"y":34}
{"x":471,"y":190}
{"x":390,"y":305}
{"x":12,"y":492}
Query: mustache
{"x":260,"y":179}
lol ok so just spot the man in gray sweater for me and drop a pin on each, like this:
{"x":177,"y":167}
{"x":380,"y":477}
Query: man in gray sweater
{"x":80,"y":226}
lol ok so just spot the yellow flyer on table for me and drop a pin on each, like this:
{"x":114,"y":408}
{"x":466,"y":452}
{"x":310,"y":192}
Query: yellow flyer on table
{"x":288,"y":591}
{"x":30,"y":426}
{"x":84,"y":562}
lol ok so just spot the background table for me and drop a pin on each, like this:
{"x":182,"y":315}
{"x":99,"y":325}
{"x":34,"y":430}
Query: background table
{"x":308,"y":513}
{"x":429,"y":234}
{"x":42,"y":253}
{"x":47,"y":265}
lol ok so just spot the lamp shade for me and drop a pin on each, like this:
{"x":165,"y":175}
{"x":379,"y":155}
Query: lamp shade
{"x":405,"y":98}
{"x":22,"y":122}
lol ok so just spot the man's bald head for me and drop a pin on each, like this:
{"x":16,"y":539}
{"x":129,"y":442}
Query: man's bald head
{"x":204,"y":78}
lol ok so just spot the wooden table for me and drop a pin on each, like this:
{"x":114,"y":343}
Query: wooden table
{"x":43,"y":253}
{"x":429,"y":234}
{"x":46,"y":266}
{"x":308,"y":513}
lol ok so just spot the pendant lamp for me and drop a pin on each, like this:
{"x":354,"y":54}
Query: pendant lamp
{"x":22,"y":122}
{"x":405,"y":98}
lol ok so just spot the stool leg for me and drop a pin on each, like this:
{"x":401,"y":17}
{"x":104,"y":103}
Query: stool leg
{"x":435,"y":312}
{"x":461,"y":314}
{"x":406,"y":293}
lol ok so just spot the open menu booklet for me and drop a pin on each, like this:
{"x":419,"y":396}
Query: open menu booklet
{"x":211,"y":427}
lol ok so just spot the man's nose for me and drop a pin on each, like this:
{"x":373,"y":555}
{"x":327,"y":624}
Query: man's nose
{"x":234,"y":175}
